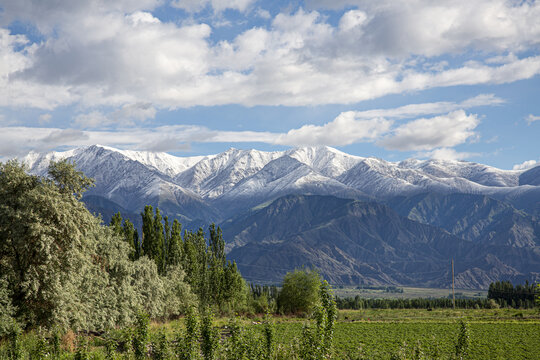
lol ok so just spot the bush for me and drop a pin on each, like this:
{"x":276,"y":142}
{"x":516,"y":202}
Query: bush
{"x":300,"y":292}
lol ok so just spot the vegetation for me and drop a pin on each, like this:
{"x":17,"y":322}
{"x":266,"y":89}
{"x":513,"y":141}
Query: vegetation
{"x":506,"y":294}
{"x":300,"y":292}
{"x":73,"y":288}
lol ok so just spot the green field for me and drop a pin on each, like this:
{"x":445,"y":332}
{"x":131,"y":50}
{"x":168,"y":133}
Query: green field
{"x":384,"y":334}
{"x":379,"y":334}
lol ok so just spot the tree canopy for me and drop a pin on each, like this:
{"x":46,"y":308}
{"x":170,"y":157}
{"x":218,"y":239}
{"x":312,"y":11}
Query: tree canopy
{"x":60,"y":266}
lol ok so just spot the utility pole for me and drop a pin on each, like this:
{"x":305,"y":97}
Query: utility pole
{"x":453,"y":294}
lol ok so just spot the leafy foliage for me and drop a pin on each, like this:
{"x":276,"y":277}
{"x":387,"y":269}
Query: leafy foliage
{"x":300,"y":291}
{"x":61,"y":267}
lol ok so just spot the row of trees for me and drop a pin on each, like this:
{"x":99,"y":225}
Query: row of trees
{"x":506,"y":294}
{"x":61,"y":267}
{"x":215,"y":280}
{"x":359,"y":303}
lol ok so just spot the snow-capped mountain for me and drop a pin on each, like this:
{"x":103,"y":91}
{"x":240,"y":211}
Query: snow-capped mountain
{"x":488,"y":214}
{"x":202,"y":187}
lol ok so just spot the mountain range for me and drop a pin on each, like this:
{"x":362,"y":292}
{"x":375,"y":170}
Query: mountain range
{"x":358,"y":220}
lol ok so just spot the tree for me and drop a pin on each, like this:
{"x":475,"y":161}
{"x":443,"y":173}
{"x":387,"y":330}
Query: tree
{"x":67,"y":179}
{"x":299,"y":292}
{"x":174,"y":251}
{"x":159,"y":240}
{"x":42,"y":229}
{"x":148,"y":232}
{"x":131,"y":237}
{"x":116,"y":224}
{"x":59,"y":266}
{"x":217,"y":264}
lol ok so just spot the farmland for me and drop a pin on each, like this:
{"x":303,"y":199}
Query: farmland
{"x":374,"y":334}
{"x":495,"y":334}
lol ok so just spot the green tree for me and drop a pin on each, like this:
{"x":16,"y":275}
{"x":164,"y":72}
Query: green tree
{"x":209,"y":336}
{"x":7,"y":311}
{"x":159,"y":241}
{"x":175,"y":245}
{"x":217,"y":262}
{"x":116,"y":224}
{"x":42,"y":230}
{"x":299,"y":292}
{"x":60,"y":267}
{"x":131,"y":237}
{"x":187,"y":344}
{"x":148,"y":237}
{"x":67,"y":179}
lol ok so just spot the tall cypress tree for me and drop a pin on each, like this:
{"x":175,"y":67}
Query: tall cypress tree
{"x":166,"y":241}
{"x":217,"y":260}
{"x":174,"y":251}
{"x":137,"y":245}
{"x":148,"y":232}
{"x":158,"y":242}
{"x":129,"y":234}
{"x":116,"y":224}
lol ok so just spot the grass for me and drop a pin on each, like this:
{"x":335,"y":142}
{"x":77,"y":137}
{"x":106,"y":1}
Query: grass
{"x":382,"y":333}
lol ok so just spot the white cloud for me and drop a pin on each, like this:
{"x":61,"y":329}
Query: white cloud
{"x":44,"y":119}
{"x":532,"y":118}
{"x":263,"y":13}
{"x":429,"y":133}
{"x":343,"y":130}
{"x":92,"y":120}
{"x":447,"y":154}
{"x":526,"y":165}
{"x":413,"y":110}
{"x":116,"y":53}
{"x":119,"y":128}
{"x":127,"y":115}
{"x":195,"y":6}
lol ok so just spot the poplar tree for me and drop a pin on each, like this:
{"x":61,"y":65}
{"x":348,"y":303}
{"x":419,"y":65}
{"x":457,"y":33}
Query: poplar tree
{"x":128,"y":231}
{"x":217,"y":264}
{"x":174,"y":251}
{"x":166,"y":240}
{"x":137,"y":245}
{"x":148,"y":231}
{"x":158,"y":241}
{"x":116,"y":224}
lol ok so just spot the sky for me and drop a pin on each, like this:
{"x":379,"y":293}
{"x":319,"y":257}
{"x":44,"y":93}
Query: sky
{"x":445,"y":79}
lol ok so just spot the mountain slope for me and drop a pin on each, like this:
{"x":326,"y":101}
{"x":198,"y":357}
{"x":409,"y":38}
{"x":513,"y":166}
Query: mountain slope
{"x":472,"y":217}
{"x":353,"y":242}
{"x":132,"y":184}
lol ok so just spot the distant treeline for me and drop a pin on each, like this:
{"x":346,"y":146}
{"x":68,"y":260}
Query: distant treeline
{"x":508,"y":295}
{"x":358,"y":303}
{"x":500,"y":294}
{"x":388,"y":289}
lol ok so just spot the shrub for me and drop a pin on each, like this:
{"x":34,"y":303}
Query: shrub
{"x":300,"y":292}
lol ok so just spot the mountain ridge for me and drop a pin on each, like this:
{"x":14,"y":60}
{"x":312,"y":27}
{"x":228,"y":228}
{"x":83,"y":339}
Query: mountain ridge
{"x":493,"y":213}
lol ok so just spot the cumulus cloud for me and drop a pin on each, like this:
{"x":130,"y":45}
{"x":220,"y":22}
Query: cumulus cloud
{"x":195,"y":6}
{"x":429,"y":133}
{"x":113,"y":53}
{"x":386,"y":127}
{"x":343,"y":130}
{"x":440,"y":107}
{"x":127,"y":115}
{"x":526,"y":165}
{"x":532,"y":118}
{"x":447,"y":154}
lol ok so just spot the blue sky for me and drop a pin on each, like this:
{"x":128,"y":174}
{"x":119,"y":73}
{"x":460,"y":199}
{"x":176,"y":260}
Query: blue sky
{"x":447,"y":79}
